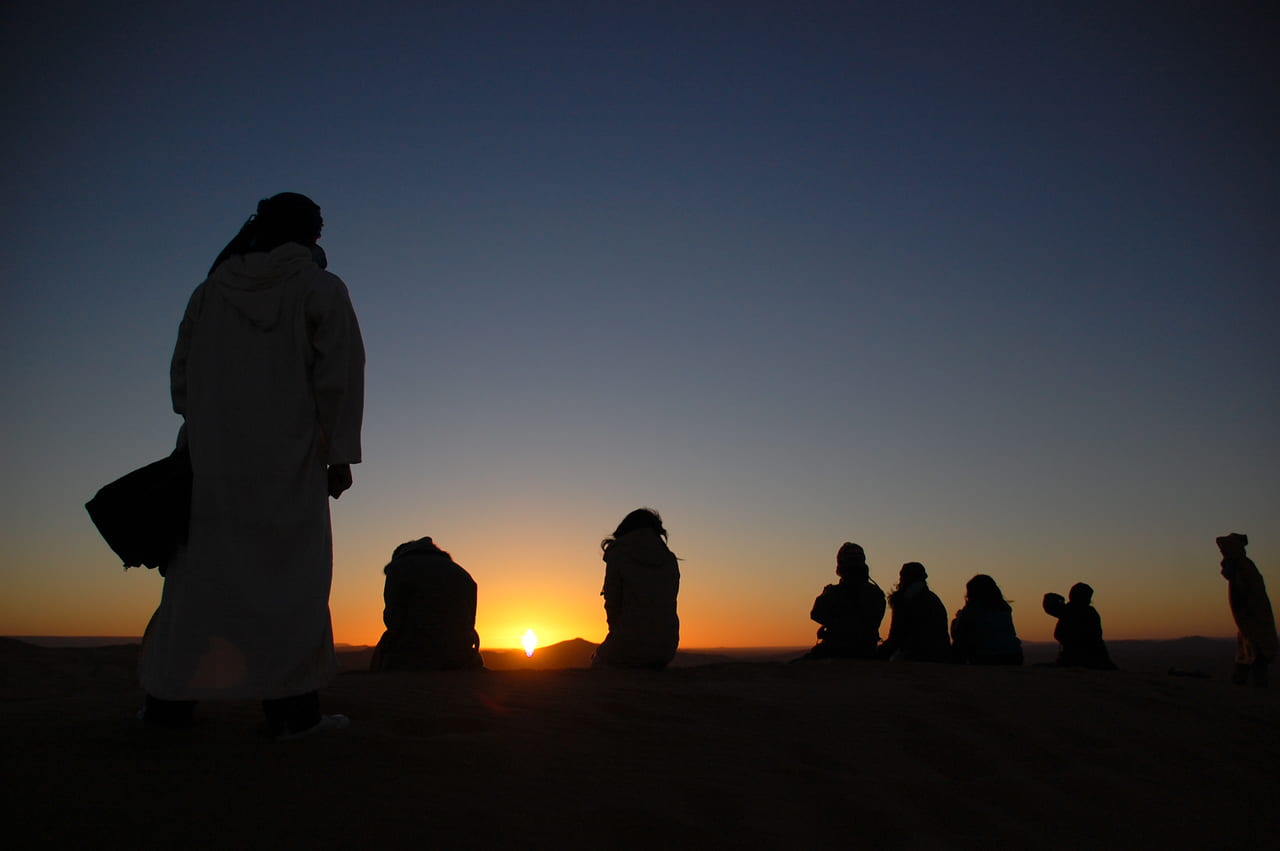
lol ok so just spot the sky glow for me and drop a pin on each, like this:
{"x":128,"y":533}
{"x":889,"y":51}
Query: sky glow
{"x":987,"y":286}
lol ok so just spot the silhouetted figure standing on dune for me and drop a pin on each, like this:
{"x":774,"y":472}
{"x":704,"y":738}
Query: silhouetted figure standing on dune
{"x":1079,"y":629}
{"x":641,"y":582}
{"x":850,"y":611}
{"x":982,"y":632}
{"x":1256,"y":641}
{"x":268,"y":374}
{"x":430,"y":613}
{"x":918,"y":628}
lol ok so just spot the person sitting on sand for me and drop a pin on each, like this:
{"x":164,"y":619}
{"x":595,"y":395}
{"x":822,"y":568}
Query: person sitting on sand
{"x":1256,"y":641}
{"x":1079,"y":629}
{"x":430,"y":613}
{"x":849,"y":612}
{"x":982,"y":632}
{"x":641,"y":582}
{"x":918,"y":629}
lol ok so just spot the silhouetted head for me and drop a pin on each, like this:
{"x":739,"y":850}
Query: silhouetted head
{"x":982,"y":591}
{"x":1232,"y":546}
{"x":912,"y":571}
{"x":287,"y":217}
{"x":851,"y":562}
{"x":1080,"y":593}
{"x":418,"y":546}
{"x":641,"y":518}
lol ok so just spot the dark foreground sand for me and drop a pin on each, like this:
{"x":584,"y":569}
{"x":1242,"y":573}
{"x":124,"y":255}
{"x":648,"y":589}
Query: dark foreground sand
{"x":731,"y":755}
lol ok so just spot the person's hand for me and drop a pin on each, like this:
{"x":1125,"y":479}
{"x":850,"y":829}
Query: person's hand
{"x":339,"y":479}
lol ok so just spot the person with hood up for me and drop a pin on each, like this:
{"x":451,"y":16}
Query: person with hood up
{"x":1256,"y":641}
{"x":849,"y":612}
{"x":430,"y":613}
{"x":982,"y":632}
{"x":641,"y":582}
{"x":268,"y":375}
{"x":1079,"y":629}
{"x":918,"y":628}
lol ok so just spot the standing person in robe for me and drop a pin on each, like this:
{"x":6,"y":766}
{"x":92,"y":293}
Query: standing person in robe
{"x":982,"y":632}
{"x":918,"y":628}
{"x":1079,"y":629}
{"x":641,"y":581}
{"x":430,"y":613}
{"x":850,"y":611}
{"x":268,"y":374}
{"x":1256,"y":641}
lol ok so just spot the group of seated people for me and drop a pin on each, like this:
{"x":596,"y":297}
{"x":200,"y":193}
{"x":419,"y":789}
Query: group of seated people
{"x":982,"y":632}
{"x":430,"y":611}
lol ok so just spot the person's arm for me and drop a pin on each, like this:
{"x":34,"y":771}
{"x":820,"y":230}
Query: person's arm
{"x":612,"y":590}
{"x":897,"y":627}
{"x":337,"y":374}
{"x":178,"y":363}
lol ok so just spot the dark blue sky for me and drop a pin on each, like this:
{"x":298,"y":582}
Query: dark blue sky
{"x":989,"y":286}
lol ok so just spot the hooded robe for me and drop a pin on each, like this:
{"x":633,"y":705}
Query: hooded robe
{"x":268,"y":373}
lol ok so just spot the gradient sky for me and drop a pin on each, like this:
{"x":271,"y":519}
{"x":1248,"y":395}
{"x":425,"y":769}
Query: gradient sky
{"x":990,"y":286}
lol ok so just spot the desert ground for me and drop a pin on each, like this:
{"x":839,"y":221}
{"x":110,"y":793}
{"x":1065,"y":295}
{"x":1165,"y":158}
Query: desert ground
{"x":707,"y":754}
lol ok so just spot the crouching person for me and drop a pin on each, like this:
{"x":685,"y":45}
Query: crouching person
{"x":430,"y":613}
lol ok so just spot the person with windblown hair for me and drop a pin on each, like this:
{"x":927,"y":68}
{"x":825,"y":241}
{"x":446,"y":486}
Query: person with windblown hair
{"x":641,"y":582}
{"x":918,"y":628}
{"x":1079,"y":629}
{"x":982,"y":632}
{"x":429,"y":611}
{"x":268,"y":375}
{"x":1256,"y":641}
{"x":849,"y":612}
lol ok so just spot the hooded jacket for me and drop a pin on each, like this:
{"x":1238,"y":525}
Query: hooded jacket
{"x":641,"y":582}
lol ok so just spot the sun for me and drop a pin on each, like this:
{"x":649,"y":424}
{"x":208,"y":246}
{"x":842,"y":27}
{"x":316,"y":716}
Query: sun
{"x":530,"y":641}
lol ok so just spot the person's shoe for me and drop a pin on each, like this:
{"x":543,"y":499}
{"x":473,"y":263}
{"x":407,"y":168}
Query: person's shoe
{"x":326,"y":722}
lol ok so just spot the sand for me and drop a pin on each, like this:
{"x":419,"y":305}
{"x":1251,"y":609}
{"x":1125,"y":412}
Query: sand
{"x":722,"y":755}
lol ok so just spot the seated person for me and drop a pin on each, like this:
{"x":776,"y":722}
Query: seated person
{"x":918,"y":629}
{"x":982,"y":632}
{"x":1079,"y":629}
{"x":430,"y":613}
{"x":641,"y":583}
{"x":849,"y":612}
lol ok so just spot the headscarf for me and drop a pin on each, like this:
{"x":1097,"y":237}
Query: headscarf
{"x":287,"y":217}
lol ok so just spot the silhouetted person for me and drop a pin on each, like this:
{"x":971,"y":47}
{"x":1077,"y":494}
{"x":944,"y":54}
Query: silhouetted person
{"x":430,"y":613}
{"x":268,"y":374}
{"x":1256,"y":642}
{"x":641,"y":582}
{"x":982,"y":632}
{"x":918,"y":627}
{"x":850,"y":611}
{"x":1079,"y":629}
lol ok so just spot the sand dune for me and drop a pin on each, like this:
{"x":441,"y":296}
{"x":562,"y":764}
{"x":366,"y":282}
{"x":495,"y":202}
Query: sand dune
{"x":728,"y":755}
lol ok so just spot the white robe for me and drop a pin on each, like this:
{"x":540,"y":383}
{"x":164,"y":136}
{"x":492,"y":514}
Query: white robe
{"x":268,"y":372}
